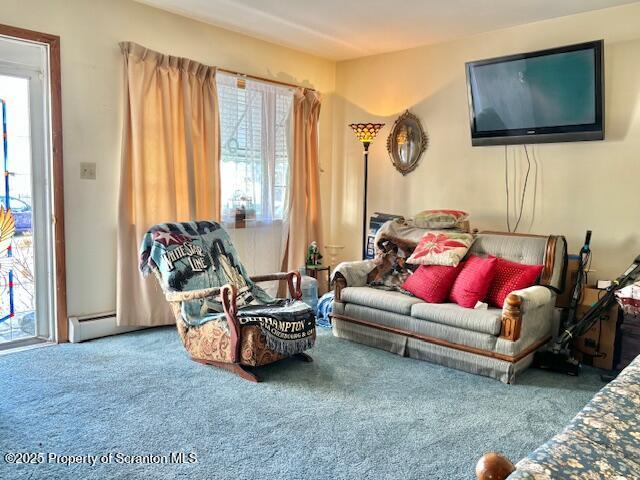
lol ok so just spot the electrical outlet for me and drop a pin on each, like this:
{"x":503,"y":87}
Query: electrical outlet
{"x":88,"y":171}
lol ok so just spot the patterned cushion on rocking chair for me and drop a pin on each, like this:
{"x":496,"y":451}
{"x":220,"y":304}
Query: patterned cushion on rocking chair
{"x":210,"y":342}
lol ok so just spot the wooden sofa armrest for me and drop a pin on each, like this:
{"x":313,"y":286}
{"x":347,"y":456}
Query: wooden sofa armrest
{"x":339,"y":282}
{"x":494,"y":466}
{"x":511,"y":318}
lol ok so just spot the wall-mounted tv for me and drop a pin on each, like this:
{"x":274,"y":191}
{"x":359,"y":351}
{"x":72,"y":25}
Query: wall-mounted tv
{"x":553,"y":95}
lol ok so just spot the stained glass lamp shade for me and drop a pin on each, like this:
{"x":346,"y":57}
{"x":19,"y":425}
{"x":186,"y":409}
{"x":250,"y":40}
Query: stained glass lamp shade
{"x":366,"y":132}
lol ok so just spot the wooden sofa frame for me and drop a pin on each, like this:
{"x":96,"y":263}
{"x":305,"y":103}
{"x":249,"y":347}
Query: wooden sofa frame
{"x":511,"y":315}
{"x":228,"y":294}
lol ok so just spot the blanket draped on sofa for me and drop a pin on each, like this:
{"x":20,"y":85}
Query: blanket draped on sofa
{"x":395,"y":241}
{"x":199,"y":255}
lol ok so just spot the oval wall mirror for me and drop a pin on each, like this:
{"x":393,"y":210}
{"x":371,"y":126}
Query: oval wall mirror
{"x":407,"y":142}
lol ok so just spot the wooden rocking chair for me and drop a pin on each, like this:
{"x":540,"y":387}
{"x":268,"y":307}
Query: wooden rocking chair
{"x":241,"y":346}
{"x":197,"y":267}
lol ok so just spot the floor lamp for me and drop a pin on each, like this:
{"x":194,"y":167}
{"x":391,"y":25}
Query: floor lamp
{"x":365,"y":132}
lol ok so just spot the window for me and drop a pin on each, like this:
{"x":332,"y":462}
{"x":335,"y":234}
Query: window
{"x":255,"y":137}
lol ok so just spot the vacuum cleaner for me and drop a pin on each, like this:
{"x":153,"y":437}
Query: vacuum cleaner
{"x":558,"y":357}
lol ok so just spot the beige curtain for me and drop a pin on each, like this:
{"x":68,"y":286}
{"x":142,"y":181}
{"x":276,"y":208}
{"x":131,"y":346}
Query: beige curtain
{"x":303,"y":222}
{"x":170,"y":165}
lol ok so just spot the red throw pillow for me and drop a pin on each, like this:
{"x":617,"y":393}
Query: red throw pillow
{"x":510,"y":276}
{"x":432,"y":283}
{"x":473,"y":282}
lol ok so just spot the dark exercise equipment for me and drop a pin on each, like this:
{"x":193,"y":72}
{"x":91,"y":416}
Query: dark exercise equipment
{"x":558,"y":357}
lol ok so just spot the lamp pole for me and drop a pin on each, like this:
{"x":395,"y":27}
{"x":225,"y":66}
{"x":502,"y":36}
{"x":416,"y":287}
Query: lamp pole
{"x":364,"y":203}
{"x":365,"y":132}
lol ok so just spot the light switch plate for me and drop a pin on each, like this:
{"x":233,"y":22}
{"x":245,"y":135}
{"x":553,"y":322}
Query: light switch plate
{"x":88,"y":171}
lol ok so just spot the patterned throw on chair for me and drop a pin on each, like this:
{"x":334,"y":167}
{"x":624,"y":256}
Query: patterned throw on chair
{"x":199,"y":255}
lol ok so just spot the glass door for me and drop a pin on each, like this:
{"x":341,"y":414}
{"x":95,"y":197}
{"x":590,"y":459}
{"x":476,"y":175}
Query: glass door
{"x":26,"y":304}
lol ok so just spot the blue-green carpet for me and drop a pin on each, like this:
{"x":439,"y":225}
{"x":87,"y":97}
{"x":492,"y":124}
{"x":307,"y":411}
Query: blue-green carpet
{"x":356,"y":412}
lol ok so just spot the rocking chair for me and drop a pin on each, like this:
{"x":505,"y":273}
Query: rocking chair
{"x":223,"y":318}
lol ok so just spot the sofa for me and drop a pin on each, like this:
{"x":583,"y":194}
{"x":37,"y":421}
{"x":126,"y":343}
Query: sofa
{"x":496,"y":342}
{"x":601,"y":442}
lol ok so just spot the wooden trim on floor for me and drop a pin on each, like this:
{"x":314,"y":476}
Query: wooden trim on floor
{"x":53,"y":41}
{"x":445,"y":343}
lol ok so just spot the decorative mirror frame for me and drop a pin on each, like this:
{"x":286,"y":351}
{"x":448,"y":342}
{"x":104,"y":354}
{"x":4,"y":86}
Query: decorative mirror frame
{"x":424,"y":143}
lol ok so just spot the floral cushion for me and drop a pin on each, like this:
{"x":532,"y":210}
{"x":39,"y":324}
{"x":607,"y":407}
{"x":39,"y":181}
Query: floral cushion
{"x":440,"y":218}
{"x":441,"y":248}
{"x":602,"y":441}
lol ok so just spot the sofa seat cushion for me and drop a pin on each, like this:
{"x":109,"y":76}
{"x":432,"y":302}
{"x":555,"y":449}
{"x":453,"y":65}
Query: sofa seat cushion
{"x":419,"y":326}
{"x":484,"y":321}
{"x":395,"y":302}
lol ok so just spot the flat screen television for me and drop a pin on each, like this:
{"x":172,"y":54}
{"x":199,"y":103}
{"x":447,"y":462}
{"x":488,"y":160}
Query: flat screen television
{"x":553,"y":95}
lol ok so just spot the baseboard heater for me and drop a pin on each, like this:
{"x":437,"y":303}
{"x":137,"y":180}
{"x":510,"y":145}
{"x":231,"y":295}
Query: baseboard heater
{"x":88,"y":327}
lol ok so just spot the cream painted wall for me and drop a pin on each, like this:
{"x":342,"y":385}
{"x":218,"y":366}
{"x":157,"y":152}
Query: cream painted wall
{"x":92,"y":110}
{"x":580,"y":186}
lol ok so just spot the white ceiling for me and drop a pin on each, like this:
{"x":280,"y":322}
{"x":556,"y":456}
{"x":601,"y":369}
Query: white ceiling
{"x":343,"y":29}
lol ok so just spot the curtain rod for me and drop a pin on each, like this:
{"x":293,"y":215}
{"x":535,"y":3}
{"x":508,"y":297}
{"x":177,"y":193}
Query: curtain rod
{"x":263,"y":79}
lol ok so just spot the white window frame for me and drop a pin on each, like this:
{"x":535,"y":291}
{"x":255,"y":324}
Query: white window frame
{"x":41,"y":191}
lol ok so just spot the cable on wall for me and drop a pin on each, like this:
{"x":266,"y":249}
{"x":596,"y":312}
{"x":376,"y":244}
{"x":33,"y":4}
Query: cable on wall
{"x":524,"y":189}
{"x":534,"y":204}
{"x":506,"y":186}
{"x":519,"y":209}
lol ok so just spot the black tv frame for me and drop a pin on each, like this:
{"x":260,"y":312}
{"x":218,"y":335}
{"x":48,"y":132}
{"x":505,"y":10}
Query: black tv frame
{"x":564,"y":133}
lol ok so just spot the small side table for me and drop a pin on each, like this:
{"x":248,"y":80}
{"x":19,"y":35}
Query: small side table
{"x":314,"y":270}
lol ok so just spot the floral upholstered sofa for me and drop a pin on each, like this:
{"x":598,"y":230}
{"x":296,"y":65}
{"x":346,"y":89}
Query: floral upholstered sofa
{"x":601,"y":442}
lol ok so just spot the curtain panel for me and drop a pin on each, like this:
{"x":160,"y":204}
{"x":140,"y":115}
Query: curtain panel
{"x":169,"y":166}
{"x":303,"y":223}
